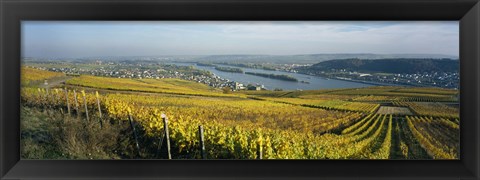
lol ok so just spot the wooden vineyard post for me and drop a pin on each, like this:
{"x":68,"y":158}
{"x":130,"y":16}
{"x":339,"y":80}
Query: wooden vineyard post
{"x":40,"y":98}
{"x":39,"y":95}
{"x":133,"y":129}
{"x":260,"y":146}
{"x":47,"y":94}
{"x":202,"y":142}
{"x":260,"y":150}
{"x":45,"y":101}
{"x":85,"y":103}
{"x":167,"y":136}
{"x":76,"y":102}
{"x":160,"y":142}
{"x":55,"y":97}
{"x":51,"y":105}
{"x":98,"y":104}
{"x":99,"y":109}
{"x":68,"y":103}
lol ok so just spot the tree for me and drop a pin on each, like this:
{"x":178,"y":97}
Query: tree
{"x":226,"y":90}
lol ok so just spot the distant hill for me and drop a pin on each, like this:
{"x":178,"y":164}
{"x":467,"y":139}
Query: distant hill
{"x":246,"y":58}
{"x":313,"y":58}
{"x":387,"y":65}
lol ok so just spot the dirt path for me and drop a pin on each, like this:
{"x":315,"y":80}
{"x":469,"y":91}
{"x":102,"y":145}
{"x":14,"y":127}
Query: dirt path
{"x":395,"y":110}
{"x":55,"y":82}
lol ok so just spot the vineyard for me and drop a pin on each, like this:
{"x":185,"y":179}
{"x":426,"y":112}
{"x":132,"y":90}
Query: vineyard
{"x":193,"y":121}
{"x":170,"y":86}
{"x":430,"y":109}
{"x":328,"y":104}
{"x":31,"y":75}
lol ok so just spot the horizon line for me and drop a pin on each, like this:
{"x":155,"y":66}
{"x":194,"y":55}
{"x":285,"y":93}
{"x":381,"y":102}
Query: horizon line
{"x":456,"y":56}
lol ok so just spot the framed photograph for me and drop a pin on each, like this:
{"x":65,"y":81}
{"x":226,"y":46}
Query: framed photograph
{"x":240,"y":89}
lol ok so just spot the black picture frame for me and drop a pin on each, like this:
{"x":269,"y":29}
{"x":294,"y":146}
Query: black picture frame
{"x":12,"y":12}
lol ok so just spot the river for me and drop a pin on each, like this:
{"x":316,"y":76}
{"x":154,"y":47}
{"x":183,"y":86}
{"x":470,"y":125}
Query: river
{"x":315,"y":82}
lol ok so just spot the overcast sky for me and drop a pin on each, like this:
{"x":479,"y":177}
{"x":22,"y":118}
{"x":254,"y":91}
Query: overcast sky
{"x":154,"y":38}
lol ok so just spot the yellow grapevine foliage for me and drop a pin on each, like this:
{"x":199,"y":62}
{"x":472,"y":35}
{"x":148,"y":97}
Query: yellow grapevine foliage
{"x":329,"y":104}
{"x":168,"y":85}
{"x":29,"y":75}
{"x":239,"y":128}
{"x":430,"y":133}
{"x":431,"y":109}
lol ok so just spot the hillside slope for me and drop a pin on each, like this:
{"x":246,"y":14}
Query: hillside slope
{"x":387,"y":65}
